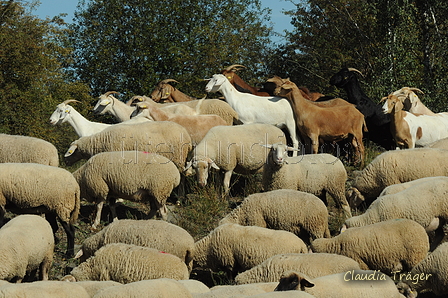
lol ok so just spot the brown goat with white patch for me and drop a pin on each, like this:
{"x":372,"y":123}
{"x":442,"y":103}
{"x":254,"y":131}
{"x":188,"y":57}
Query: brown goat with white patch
{"x":321,"y":124}
{"x":196,"y":125}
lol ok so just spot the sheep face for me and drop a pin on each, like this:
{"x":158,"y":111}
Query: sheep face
{"x":215,"y":83}
{"x":279,"y":153}
{"x":202,"y":167}
{"x":293,"y":281}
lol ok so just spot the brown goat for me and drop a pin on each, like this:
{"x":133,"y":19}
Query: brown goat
{"x":164,"y":92}
{"x":321,"y":124}
{"x":196,"y":125}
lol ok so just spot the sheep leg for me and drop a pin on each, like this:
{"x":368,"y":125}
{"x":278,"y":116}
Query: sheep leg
{"x":70,"y":231}
{"x":438,"y":232}
{"x":113,"y":209}
{"x":227,"y":176}
{"x":99,"y":208}
{"x":51,"y":218}
{"x":2,"y":215}
{"x":44,"y":268}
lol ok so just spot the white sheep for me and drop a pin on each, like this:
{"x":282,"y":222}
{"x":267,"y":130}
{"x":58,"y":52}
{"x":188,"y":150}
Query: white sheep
{"x":318,"y":174}
{"x":235,"y":248}
{"x":15,"y":148}
{"x":126,"y":263}
{"x":194,"y":286}
{"x":93,"y":286}
{"x":350,"y":284}
{"x":32,"y":188}
{"x":442,"y":144}
{"x":312,"y":264}
{"x":283,"y":294}
{"x":395,"y":188}
{"x":26,"y":244}
{"x":389,"y":246}
{"x":154,"y":288}
{"x":239,"y":291}
{"x":430,"y":274}
{"x":196,"y":125}
{"x":295,"y":211}
{"x":166,"y":138}
{"x":83,"y":127}
{"x":158,"y":234}
{"x":424,"y":202}
{"x":47,"y":289}
{"x":396,"y":166}
{"x":234,"y":149}
{"x":131,"y":175}
{"x":256,"y":109}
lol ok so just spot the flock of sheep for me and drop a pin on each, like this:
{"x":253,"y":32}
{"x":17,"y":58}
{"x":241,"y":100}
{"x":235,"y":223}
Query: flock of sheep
{"x":277,"y":242}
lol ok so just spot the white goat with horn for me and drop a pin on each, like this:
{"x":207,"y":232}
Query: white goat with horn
{"x":83,"y":127}
{"x":107,"y":103}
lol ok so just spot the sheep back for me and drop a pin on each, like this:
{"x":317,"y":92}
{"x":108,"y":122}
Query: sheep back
{"x":398,"y":166}
{"x":26,"y":244}
{"x":388,"y":246}
{"x":216,"y":107}
{"x":29,"y":185}
{"x":162,"y":287}
{"x":131,"y":175}
{"x":157,"y":234}
{"x":237,"y":248}
{"x":24,"y":149}
{"x":47,"y":289}
{"x":239,"y":148}
{"x":126,"y":263}
{"x":163,"y":137}
{"x":313,"y":265}
{"x":298,"y":212}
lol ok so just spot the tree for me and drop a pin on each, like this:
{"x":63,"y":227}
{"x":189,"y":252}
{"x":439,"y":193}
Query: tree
{"x":130,"y":45}
{"x":33,"y":53}
{"x":394,"y":43}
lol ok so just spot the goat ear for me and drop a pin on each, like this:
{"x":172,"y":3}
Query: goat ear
{"x":104,"y":102}
{"x":291,"y":149}
{"x":71,"y":150}
{"x":267,"y":145}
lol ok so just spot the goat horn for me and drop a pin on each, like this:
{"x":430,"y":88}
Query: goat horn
{"x":110,"y":92}
{"x":168,"y":81}
{"x":69,"y":101}
{"x":416,"y":90}
{"x":384,"y":98}
{"x":355,"y":70}
{"x":234,"y":67}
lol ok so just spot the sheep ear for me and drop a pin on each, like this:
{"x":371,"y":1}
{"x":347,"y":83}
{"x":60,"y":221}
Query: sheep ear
{"x":304,"y":283}
{"x":79,"y":254}
{"x":212,"y":164}
{"x":188,"y":165}
{"x":71,"y":150}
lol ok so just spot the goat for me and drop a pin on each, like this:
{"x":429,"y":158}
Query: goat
{"x":410,"y":130}
{"x":412,"y":103}
{"x":256,"y":109}
{"x":378,"y":123}
{"x":325,"y":123}
{"x":196,"y":125}
{"x":107,"y":103}
{"x":164,"y":92}
{"x":267,"y":90}
{"x":83,"y":127}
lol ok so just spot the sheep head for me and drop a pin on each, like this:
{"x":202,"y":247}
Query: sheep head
{"x":294,"y":281}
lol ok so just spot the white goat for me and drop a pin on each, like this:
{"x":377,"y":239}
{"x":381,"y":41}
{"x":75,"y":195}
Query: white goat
{"x":256,"y":109}
{"x":410,"y":130}
{"x":411,"y":102}
{"x":107,"y":103}
{"x":82,"y":126}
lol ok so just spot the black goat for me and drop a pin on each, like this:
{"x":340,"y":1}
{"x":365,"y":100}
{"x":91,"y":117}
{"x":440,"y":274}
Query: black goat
{"x":378,"y":123}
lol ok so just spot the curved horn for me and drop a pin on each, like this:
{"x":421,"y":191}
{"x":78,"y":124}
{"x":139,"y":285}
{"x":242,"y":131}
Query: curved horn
{"x":166,"y":81}
{"x":70,"y":100}
{"x":234,"y":67}
{"x":110,"y":92}
{"x":355,"y":70}
{"x":416,"y":90}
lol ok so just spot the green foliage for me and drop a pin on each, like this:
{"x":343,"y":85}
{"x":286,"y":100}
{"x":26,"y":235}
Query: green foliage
{"x":33,"y":53}
{"x":129,"y":46}
{"x":394,"y":43}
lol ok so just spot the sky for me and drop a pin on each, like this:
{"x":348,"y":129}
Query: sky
{"x":51,"y":8}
